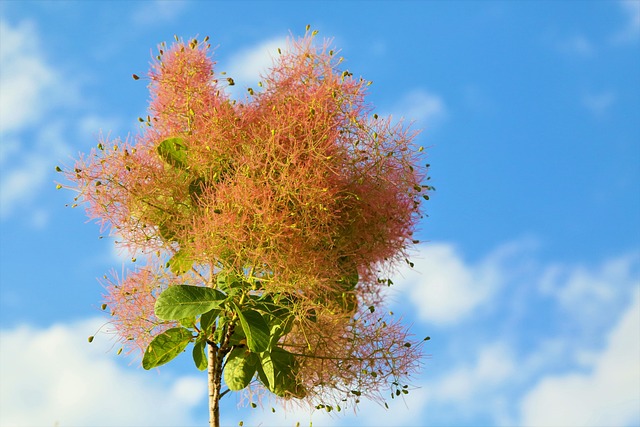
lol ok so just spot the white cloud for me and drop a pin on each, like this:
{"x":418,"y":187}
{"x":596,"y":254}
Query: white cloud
{"x":494,"y":365}
{"x":609,"y":394}
{"x":444,"y":289}
{"x":30,"y":91}
{"x":479,"y":386}
{"x":499,"y":378}
{"x":247,"y":65}
{"x":631,"y":31}
{"x":20,"y":183}
{"x":54,"y":375}
{"x":158,"y":12}
{"x":484,"y":377}
{"x":590,"y":293}
{"x":425,"y":108}
{"x":26,"y":170}
{"x":25,"y":79}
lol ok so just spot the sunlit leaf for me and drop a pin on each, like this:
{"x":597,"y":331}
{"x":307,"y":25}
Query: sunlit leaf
{"x":279,"y":369}
{"x":199,"y":355}
{"x":180,"y":301}
{"x":164,"y":347}
{"x":207,"y":320}
{"x":240,"y":368}
{"x":174,"y":152}
{"x":255,"y":329}
{"x":180,"y":263}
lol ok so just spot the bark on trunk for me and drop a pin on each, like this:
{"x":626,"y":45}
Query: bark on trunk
{"x":214,"y":374}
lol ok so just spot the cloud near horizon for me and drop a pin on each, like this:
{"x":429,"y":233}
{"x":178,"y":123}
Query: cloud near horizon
{"x":74,"y":383}
{"x":558,"y":378}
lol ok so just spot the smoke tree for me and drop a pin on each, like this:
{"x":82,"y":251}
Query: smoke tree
{"x":270,"y":228}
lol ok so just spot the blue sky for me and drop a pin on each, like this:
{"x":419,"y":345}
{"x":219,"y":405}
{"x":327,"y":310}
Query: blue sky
{"x":529,"y":280}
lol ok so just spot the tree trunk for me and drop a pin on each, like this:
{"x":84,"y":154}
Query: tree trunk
{"x":214,"y":371}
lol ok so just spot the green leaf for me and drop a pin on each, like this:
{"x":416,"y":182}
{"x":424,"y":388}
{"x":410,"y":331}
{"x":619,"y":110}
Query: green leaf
{"x":174,"y":152}
{"x":265,"y":370}
{"x":180,"y":263}
{"x":199,"y":354}
{"x":220,"y":330}
{"x":255,"y":329}
{"x":240,"y":368}
{"x":208,"y":321}
{"x":165,"y":347}
{"x":238,"y":337}
{"x":180,"y":301}
{"x":187,"y":322}
{"x":279,"y":369}
{"x":279,"y":328}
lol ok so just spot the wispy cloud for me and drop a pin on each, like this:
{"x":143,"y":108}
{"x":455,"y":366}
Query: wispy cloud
{"x":504,"y":379}
{"x":26,"y":80}
{"x":72,"y":382}
{"x":20,"y":183}
{"x":630,"y":31}
{"x":608,"y":393}
{"x":249,"y":64}
{"x":587,"y":291}
{"x":26,"y":169}
{"x":158,"y":12}
{"x":447,"y":290}
{"x":560,"y":379}
{"x":424,"y":108}
{"x":35,"y":129}
{"x":29,"y":89}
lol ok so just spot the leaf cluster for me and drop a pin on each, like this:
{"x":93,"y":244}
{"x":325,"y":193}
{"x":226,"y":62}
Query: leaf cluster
{"x":245,"y":326}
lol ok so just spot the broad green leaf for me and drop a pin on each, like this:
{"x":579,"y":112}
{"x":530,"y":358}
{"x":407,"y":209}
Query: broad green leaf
{"x":174,"y":152}
{"x":188,"y":322}
{"x":279,"y":329}
{"x":208,"y":321}
{"x":238,"y":337}
{"x":284,"y":366}
{"x":278,"y":317}
{"x":255,"y":329}
{"x":279,"y":369}
{"x":262,"y":376}
{"x":240,"y":368}
{"x":180,"y":301}
{"x":265,"y":370}
{"x":180,"y":263}
{"x":165,"y":347}
{"x":199,"y":354}
{"x":276,"y":334}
